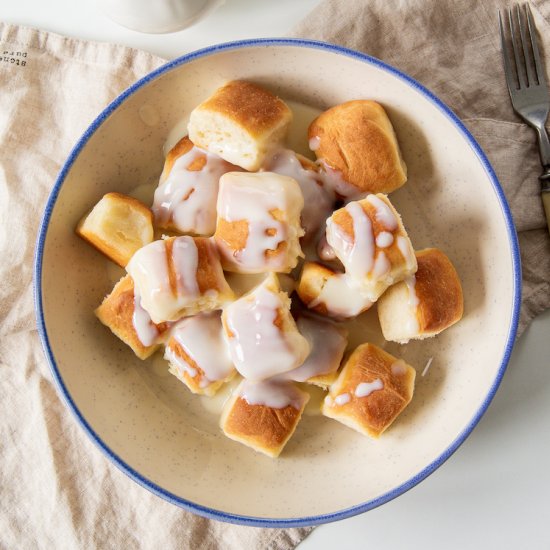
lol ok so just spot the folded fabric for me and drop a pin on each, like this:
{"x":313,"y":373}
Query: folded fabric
{"x":453,"y":48}
{"x":58,"y":489}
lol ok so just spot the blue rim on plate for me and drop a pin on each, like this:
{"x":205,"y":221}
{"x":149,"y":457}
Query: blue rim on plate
{"x":251,"y":520}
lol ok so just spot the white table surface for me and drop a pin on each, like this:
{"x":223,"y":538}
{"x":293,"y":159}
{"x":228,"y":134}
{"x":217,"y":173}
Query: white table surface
{"x":493,"y":492}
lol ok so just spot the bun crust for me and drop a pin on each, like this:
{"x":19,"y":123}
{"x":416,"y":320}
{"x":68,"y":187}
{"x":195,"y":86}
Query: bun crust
{"x":258,"y":227}
{"x":240,"y":122}
{"x":357,"y":139}
{"x":381,"y":253}
{"x":178,"y":277}
{"x":116,"y":312}
{"x":371,"y":391}
{"x":266,"y":429}
{"x":425,"y":304}
{"x":117,"y":226}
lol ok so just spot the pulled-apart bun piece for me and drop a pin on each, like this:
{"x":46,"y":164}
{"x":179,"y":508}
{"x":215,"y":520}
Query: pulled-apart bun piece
{"x":117,"y":226}
{"x":356,"y":144}
{"x":121,"y":311}
{"x":240,"y":122}
{"x":198,"y":354}
{"x":179,"y":276}
{"x":371,"y":391}
{"x":423,"y":304}
{"x":261,"y":332}
{"x":263,"y":415}
{"x":258,"y":229}
{"x":369,"y":239}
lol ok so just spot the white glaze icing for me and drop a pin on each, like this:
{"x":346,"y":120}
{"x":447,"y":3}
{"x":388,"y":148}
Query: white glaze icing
{"x":342,"y":399}
{"x":324,"y":250}
{"x":382,"y":265}
{"x":146,"y":330}
{"x":178,"y":365}
{"x":318,"y":200}
{"x":341,"y":297}
{"x":407,"y":251}
{"x":201,"y":337}
{"x":384,"y":239}
{"x":412,"y":323}
{"x":187,"y":198}
{"x":253,"y":198}
{"x":185,"y":259}
{"x":355,"y":252}
{"x":334,"y":179}
{"x":327,"y":344}
{"x":383,"y":213}
{"x":314,"y":143}
{"x":149,"y":270}
{"x":364,"y":389}
{"x":259,"y":349}
{"x":273,"y":394}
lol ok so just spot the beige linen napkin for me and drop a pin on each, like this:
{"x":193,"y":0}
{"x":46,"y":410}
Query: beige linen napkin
{"x":453,"y":48}
{"x":57,"y":490}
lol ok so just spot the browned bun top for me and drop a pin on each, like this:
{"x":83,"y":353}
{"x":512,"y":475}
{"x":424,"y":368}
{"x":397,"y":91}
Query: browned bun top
{"x":266,"y":426}
{"x":357,"y":139}
{"x":249,"y":105}
{"x":439,"y":291}
{"x":367,"y":364}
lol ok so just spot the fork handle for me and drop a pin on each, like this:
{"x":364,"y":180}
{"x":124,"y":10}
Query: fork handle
{"x":544,"y":149}
{"x":544,"y":179}
{"x":545,"y":195}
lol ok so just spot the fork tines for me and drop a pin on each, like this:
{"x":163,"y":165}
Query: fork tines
{"x":528,"y":67}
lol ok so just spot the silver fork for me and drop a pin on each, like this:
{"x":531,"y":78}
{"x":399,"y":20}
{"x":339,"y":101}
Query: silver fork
{"x":527,"y":85}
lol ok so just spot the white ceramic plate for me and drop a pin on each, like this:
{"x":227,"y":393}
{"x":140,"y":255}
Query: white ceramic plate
{"x":150,"y":426}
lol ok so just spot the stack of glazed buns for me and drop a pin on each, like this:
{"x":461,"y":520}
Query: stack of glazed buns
{"x":233,"y":200}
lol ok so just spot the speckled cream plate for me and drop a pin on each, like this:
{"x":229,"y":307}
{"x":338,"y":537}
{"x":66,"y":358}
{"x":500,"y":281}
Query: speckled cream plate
{"x":165,"y":438}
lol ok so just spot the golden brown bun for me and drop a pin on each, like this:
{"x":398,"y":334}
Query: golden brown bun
{"x":168,"y":299}
{"x":117,"y":226}
{"x":388,"y":389}
{"x":440,"y":302}
{"x":330,"y":293}
{"x":399,"y":254}
{"x":357,"y":139}
{"x":198,"y":355}
{"x":240,"y":122}
{"x":249,"y":360}
{"x":234,"y":236}
{"x":265,"y":429}
{"x":116,"y":312}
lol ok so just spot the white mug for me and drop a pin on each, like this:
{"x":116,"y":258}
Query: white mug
{"x":158,"y":16}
